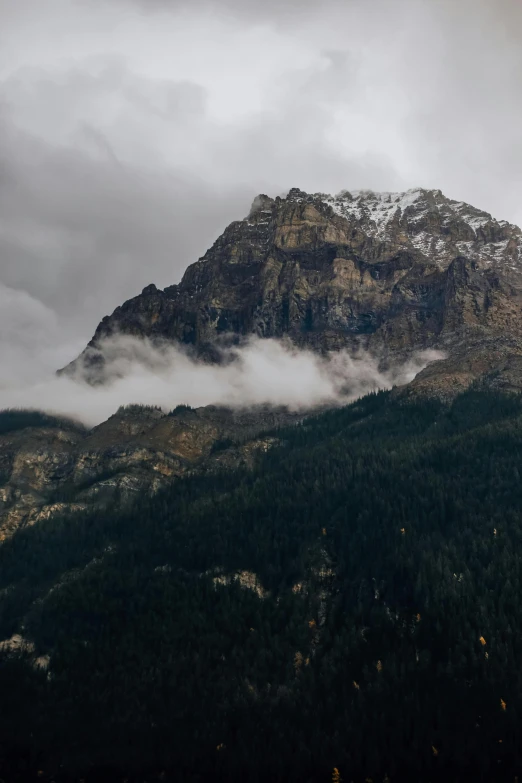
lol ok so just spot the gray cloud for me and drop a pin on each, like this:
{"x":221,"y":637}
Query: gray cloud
{"x":250,"y":10}
{"x":258,"y":373}
{"x":81,"y":230}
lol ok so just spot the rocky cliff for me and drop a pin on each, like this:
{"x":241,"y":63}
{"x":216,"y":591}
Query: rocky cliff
{"x":389,"y":273}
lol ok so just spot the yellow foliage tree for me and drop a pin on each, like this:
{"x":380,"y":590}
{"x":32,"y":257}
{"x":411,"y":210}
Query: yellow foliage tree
{"x":502,"y":704}
{"x":336,"y":776}
{"x":434,"y":750}
{"x":378,"y":666}
{"x":482,"y":641}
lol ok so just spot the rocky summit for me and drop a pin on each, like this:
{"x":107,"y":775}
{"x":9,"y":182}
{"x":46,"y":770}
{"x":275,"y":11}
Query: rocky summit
{"x":388,"y":273}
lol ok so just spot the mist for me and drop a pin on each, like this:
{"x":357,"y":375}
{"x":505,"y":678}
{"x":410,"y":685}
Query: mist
{"x":260,"y":372}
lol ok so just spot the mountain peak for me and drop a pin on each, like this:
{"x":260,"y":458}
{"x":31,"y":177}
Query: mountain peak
{"x":428,"y":221}
{"x":390,"y":273}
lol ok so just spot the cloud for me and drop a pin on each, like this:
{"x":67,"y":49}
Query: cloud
{"x":82,"y":233}
{"x":269,"y":11}
{"x":32,"y":341}
{"x":261,"y":372}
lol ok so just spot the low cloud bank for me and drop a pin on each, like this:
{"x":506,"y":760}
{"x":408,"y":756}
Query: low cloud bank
{"x":260,"y":372}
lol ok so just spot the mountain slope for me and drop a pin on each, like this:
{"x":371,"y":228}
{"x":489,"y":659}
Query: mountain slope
{"x":49,"y":465}
{"x":390,"y":273}
{"x":351,"y":602}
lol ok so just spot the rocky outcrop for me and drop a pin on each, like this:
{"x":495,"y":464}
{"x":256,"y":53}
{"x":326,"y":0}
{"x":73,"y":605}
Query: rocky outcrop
{"x":47,"y":470}
{"x":390,"y":273}
{"x":245,"y":579}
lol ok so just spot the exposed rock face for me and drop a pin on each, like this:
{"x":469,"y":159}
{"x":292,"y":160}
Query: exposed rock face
{"x":45,"y":470}
{"x":245,"y":579}
{"x":389,"y":272}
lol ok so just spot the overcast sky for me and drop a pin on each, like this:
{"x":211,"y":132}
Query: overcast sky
{"x":133,"y":131}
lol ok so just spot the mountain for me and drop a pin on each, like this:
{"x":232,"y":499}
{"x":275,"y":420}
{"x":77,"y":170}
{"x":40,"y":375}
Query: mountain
{"x":256,"y":595}
{"x":388,"y":273}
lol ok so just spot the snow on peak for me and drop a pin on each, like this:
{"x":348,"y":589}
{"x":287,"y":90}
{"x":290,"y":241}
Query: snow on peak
{"x":381,"y":208}
{"x":419,"y":220}
{"x":429,"y":222}
{"x":373,"y":208}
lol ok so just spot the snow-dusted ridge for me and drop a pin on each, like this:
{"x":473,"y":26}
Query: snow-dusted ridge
{"x":379,"y":208}
{"x":419,"y":220}
{"x":382,"y":208}
{"x":431,"y":223}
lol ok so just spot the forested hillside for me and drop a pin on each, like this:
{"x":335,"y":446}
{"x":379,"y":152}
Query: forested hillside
{"x":353,"y":603}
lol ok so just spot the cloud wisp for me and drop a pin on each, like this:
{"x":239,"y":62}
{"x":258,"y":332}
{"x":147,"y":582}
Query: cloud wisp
{"x":261,"y":372}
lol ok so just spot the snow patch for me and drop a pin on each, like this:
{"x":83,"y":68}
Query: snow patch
{"x":426,"y":218}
